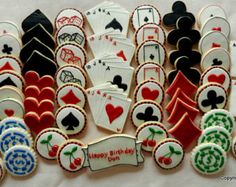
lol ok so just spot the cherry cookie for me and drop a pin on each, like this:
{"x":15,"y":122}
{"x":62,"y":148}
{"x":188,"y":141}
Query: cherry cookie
{"x":11,"y":78}
{"x":151,"y":133}
{"x":149,"y":90}
{"x":8,"y":62}
{"x":71,"y":157}
{"x":2,"y":170}
{"x":168,"y":154}
{"x":10,"y":28}
{"x":10,"y":45}
{"x":11,"y":92}
{"x":151,"y":51}
{"x":145,"y":14}
{"x":144,"y":111}
{"x":234,"y":146}
{"x":48,"y":142}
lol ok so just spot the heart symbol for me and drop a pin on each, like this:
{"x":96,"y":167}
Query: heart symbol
{"x":32,"y":105}
{"x":149,"y":94}
{"x":113,"y":112}
{"x":33,"y":78}
{"x":38,"y":123}
{"x":9,"y":112}
{"x":216,"y":28}
{"x":217,"y":78}
{"x":214,"y":45}
{"x":121,"y":55}
{"x":45,"y":93}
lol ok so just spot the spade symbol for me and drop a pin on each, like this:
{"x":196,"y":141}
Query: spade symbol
{"x":70,"y":122}
{"x":7,"y":81}
{"x":115,"y":25}
{"x":146,"y":19}
{"x":216,"y":62}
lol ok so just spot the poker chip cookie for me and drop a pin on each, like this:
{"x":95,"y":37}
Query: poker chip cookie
{"x":9,"y":62}
{"x":208,"y":158}
{"x":11,"y":92}
{"x":168,"y":154}
{"x":151,"y":133}
{"x":10,"y":28}
{"x":11,"y":122}
{"x":11,"y":78}
{"x":20,"y":160}
{"x":48,"y":142}
{"x":2,"y":170}
{"x":10,"y":45}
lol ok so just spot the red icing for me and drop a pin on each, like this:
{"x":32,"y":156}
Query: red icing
{"x":147,"y":93}
{"x":9,"y":112}
{"x":214,"y":45}
{"x":217,"y":78}
{"x":70,"y":98}
{"x":113,"y":112}
{"x":121,"y":55}
{"x":6,"y":66}
{"x":45,"y":93}
{"x":216,"y":28}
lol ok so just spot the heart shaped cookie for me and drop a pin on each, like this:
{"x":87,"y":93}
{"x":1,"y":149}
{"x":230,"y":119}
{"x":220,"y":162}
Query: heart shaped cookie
{"x":45,"y":93}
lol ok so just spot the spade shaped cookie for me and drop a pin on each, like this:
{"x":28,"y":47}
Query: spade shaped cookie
{"x":183,"y":29}
{"x":184,"y":48}
{"x":34,"y":19}
{"x":32,"y":45}
{"x":41,"y":64}
{"x":41,"y":34}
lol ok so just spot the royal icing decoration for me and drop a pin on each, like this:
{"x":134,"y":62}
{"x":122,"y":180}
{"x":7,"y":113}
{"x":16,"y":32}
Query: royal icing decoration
{"x":11,"y":78}
{"x":11,"y":92}
{"x":10,"y":45}
{"x":10,"y":63}
{"x":11,"y":122}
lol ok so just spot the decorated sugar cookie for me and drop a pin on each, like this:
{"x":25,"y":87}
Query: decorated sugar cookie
{"x":218,"y":135}
{"x":71,"y":33}
{"x":208,"y":158}
{"x":10,"y":45}
{"x":40,"y":95}
{"x":150,"y":31}
{"x":218,"y":117}
{"x":145,"y":14}
{"x":216,"y":57}
{"x":234,"y":146}
{"x":11,"y":122}
{"x":11,"y":78}
{"x":71,"y":119}
{"x":216,"y":75}
{"x":14,"y":136}
{"x":144,"y":111}
{"x":71,"y":157}
{"x":20,"y":160}
{"x":8,"y":62}
{"x":149,"y":90}
{"x":151,"y":51}
{"x":11,"y":92}
{"x":48,"y":142}
{"x":151,"y":133}
{"x":70,"y":53}
{"x":168,"y":154}
{"x":2,"y":170}
{"x":10,"y":28}
{"x":71,"y":93}
{"x":150,"y":71}
{"x":211,"y":96}
{"x":69,"y":16}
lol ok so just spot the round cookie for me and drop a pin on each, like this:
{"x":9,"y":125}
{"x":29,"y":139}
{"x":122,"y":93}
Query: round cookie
{"x":14,"y":136}
{"x":218,"y":75}
{"x":234,"y":146}
{"x":20,"y":160}
{"x":48,"y":142}
{"x":150,"y":71}
{"x":151,"y":133}
{"x":11,"y":122}
{"x":150,"y":31}
{"x":10,"y":63}
{"x":10,"y":45}
{"x":2,"y":170}
{"x":71,"y":74}
{"x":71,"y":119}
{"x":149,"y":90}
{"x":71,"y":33}
{"x":213,"y":39}
{"x":218,"y":117}
{"x":145,"y":14}
{"x":71,"y":93}
{"x":7,"y":27}
{"x":168,"y":154}
{"x":70,"y":156}
{"x":208,"y":158}
{"x":211,"y":96}
{"x":11,"y":78}
{"x":144,"y":111}
{"x":151,"y":51}
{"x":70,"y":53}
{"x":69,"y":16}
{"x":216,"y":57}
{"x":11,"y":92}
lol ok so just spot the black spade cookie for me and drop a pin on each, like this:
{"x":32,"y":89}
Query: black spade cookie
{"x":32,"y":45}
{"x":179,"y":10}
{"x":34,"y":19}
{"x":41,"y":64}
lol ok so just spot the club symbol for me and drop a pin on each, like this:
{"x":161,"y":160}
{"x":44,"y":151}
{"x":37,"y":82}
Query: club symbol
{"x":118,"y":81}
{"x":212,"y":100}
{"x":216,"y":62}
{"x":6,"y":49}
{"x":151,"y":56}
{"x":147,"y":115}
{"x":146,"y":19}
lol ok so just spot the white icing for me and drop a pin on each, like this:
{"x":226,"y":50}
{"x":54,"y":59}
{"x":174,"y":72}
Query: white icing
{"x":15,"y":77}
{"x":13,"y":62}
{"x":10,"y":28}
{"x":11,"y":92}
{"x":12,"y":42}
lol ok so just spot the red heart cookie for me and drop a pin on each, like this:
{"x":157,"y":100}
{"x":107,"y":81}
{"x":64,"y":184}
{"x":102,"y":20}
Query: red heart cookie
{"x":113,"y":112}
{"x":45,"y":93}
{"x":217,"y":78}
{"x":149,"y":94}
{"x":36,"y":123}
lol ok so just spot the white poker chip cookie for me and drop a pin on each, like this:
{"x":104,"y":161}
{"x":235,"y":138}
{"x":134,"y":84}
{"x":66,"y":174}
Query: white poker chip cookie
{"x":2,"y":170}
{"x":8,"y":62}
{"x":11,"y":92}
{"x":10,"y":28}
{"x":11,"y":78}
{"x":11,"y":122}
{"x":10,"y":45}
{"x":48,"y":142}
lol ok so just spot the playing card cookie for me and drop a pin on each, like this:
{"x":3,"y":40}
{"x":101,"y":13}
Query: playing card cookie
{"x":150,"y":31}
{"x":69,"y":16}
{"x":71,"y":157}
{"x":151,"y":51}
{"x":10,"y":63}
{"x":10,"y":45}
{"x":10,"y":28}
{"x":149,"y":90}
{"x":145,"y":14}
{"x":70,"y":53}
{"x":168,"y":153}
{"x":211,"y":96}
{"x":151,"y":133}
{"x":11,"y":78}
{"x":12,"y":122}
{"x":20,"y":160}
{"x":150,"y":71}
{"x":71,"y":33}
{"x":11,"y":92}
{"x":48,"y":142}
{"x":216,"y":75}
{"x":144,"y":111}
{"x":2,"y":170}
{"x":208,"y":158}
{"x":234,"y":146}
{"x":71,"y":119}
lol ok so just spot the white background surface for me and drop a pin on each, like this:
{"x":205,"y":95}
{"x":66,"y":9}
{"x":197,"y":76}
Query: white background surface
{"x":48,"y":174}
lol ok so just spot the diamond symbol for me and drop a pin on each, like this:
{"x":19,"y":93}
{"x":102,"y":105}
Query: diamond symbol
{"x":6,"y":66}
{"x":70,"y":98}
